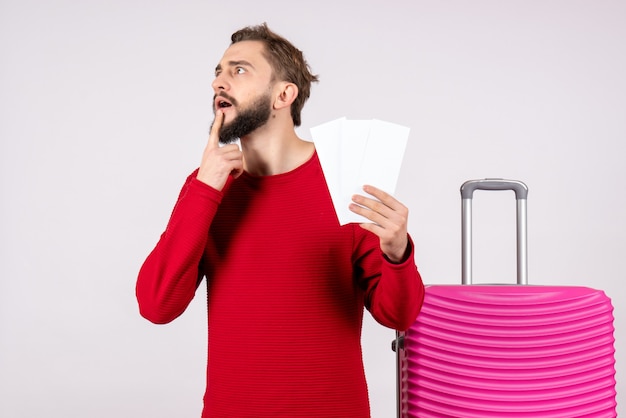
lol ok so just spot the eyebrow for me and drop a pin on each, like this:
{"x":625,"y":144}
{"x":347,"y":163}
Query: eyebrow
{"x":235,"y":64}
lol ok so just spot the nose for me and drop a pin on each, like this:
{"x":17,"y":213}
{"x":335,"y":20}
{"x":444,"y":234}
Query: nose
{"x":220,"y":83}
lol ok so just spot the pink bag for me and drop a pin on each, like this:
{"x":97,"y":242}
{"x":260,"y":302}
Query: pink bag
{"x":518,"y":351}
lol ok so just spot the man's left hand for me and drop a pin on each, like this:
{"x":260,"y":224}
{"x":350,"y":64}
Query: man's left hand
{"x":389,"y":218}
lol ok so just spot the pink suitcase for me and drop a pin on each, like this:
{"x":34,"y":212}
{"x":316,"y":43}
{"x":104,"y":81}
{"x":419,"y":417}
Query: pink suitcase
{"x":519,"y":351}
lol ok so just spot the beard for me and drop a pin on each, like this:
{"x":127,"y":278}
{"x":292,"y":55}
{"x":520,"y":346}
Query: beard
{"x":248,"y":119}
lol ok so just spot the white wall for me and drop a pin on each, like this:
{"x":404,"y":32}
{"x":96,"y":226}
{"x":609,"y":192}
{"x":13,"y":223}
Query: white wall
{"x":105,"y":108}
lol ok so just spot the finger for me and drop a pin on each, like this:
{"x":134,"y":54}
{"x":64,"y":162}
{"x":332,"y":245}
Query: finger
{"x":371,"y":205}
{"x":384,"y":197}
{"x":367,"y":213}
{"x":214,"y":135}
{"x":383,"y":214}
{"x":378,"y":224}
{"x":373,"y":228}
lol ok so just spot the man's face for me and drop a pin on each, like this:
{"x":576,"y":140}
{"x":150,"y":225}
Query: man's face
{"x":243,"y":90}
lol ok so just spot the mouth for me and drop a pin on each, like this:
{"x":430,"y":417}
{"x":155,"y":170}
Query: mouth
{"x":222,"y":103}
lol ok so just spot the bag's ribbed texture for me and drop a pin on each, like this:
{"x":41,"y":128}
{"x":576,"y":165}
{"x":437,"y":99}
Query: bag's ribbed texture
{"x":510,"y":351}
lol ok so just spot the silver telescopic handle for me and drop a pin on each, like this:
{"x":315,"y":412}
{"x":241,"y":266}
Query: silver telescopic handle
{"x":521,"y":194}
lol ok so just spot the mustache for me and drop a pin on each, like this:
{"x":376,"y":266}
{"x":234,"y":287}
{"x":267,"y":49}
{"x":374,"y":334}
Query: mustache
{"x":226,"y":96}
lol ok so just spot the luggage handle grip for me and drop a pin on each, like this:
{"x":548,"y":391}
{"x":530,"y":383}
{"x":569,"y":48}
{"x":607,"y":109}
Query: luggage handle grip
{"x":468,"y":188}
{"x":521,"y":194}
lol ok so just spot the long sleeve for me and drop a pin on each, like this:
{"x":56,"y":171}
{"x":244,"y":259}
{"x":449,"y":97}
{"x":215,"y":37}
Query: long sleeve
{"x":168,"y":278}
{"x":394,"y":296}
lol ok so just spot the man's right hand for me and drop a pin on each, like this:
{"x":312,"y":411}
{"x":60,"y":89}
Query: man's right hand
{"x":219,"y":162}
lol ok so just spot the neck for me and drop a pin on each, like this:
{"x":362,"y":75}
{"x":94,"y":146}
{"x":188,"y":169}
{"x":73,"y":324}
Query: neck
{"x":269,"y":152}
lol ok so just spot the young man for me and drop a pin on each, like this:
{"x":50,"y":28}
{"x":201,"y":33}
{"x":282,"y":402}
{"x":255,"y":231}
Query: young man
{"x":286,"y":283}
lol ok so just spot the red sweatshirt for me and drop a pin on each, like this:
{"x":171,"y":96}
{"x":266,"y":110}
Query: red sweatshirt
{"x":286,"y":288}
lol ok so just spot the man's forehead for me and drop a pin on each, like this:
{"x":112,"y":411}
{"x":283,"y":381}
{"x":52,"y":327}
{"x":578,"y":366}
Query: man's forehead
{"x":251,"y":52}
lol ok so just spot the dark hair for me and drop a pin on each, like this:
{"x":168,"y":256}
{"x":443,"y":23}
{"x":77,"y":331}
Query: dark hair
{"x":286,"y":60}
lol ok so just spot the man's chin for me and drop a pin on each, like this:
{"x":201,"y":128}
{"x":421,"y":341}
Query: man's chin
{"x":228,"y":134}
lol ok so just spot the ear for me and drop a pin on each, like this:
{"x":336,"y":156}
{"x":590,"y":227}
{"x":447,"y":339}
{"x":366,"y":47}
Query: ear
{"x":287,"y":93}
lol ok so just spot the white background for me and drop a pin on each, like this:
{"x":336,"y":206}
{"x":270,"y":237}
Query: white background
{"x":105,"y":109}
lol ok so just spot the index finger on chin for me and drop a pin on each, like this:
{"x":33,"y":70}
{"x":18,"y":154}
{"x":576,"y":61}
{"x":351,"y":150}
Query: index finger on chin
{"x":214,"y":135}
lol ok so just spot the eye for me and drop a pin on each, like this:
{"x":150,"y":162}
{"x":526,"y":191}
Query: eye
{"x":240,"y":70}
